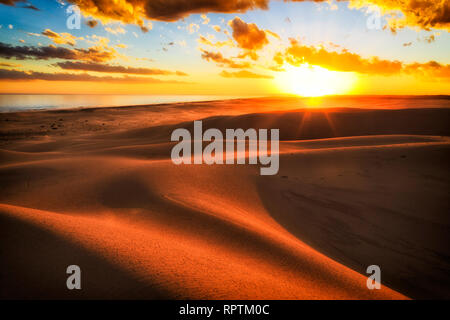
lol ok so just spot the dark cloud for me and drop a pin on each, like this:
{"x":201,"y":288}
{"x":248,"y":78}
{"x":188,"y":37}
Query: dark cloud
{"x":30,"y":6}
{"x":98,"y":67}
{"x":95,"y":54}
{"x":91,"y":23}
{"x":28,"y":76}
{"x":134,"y":11}
{"x":13,"y":3}
{"x":10,"y":2}
{"x":224,"y":62}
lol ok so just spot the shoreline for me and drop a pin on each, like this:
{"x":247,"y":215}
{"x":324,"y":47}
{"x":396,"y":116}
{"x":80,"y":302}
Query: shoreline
{"x":253,"y":98}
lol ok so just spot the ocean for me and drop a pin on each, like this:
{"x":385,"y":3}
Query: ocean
{"x":28,"y":102}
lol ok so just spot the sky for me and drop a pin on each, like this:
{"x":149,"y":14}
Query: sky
{"x":229,"y":47}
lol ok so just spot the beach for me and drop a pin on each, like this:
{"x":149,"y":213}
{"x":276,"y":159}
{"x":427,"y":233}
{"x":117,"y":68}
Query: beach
{"x":96,"y":187}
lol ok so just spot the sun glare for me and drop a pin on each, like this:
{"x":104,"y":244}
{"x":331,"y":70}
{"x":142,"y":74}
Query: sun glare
{"x":314,"y":81}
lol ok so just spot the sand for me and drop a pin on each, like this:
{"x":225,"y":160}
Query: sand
{"x":97,"y":188}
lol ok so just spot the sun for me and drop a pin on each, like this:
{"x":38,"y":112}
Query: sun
{"x":314,"y":81}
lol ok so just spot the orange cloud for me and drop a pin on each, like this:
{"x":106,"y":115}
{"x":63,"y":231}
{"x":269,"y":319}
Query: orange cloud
{"x":297,"y":54}
{"x":429,"y":70}
{"x":273,"y":34}
{"x":60,"y":38}
{"x":217,"y":44}
{"x":244,"y":74}
{"x":116,"y":30}
{"x":248,"y":35}
{"x":205,"y":19}
{"x":193,"y":27}
{"x":9,"y":65}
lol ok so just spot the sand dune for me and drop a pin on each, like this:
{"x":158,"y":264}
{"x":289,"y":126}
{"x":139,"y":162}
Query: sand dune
{"x":365,"y":191}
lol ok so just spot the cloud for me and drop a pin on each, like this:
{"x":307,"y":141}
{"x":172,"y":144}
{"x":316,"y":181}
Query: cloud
{"x":423,"y":14}
{"x":30,"y":6}
{"x":91,"y":23}
{"x":97,"y":67}
{"x":217,"y":44}
{"x":244,"y":74}
{"x":429,"y":70}
{"x":13,"y":3}
{"x":147,"y":27}
{"x":95,"y":54}
{"x":431,"y":38}
{"x":273,"y":34}
{"x":221,"y":61}
{"x":60,"y":38}
{"x":193,"y":27}
{"x":297,"y":54}
{"x":247,"y":35}
{"x":117,"y":30}
{"x":9,"y":65}
{"x":32,"y":75}
{"x":98,"y":41}
{"x":205,"y":19}
{"x":134,"y":11}
{"x":9,"y":2}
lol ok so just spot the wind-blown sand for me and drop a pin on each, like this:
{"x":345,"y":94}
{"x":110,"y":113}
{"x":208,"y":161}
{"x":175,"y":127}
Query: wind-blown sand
{"x":97,"y":188}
